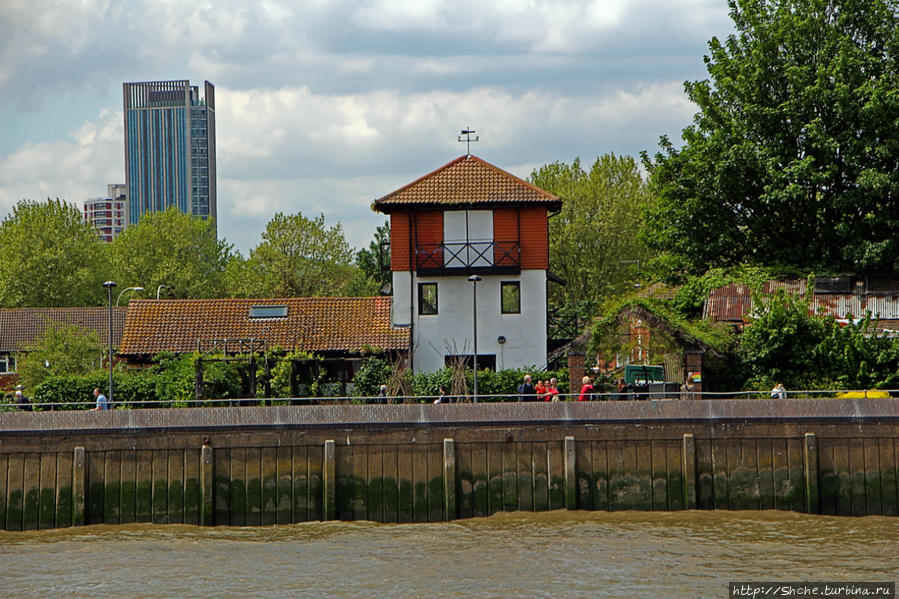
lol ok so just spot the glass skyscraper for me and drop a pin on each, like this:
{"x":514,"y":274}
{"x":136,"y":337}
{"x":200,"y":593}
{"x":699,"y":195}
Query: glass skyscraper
{"x":169,"y":148}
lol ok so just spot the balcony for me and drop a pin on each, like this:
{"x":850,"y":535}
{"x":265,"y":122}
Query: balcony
{"x":465,"y":258}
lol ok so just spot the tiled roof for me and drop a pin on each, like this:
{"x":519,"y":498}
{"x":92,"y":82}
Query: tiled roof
{"x":314,"y":324}
{"x":21,"y":326}
{"x":467,"y":180}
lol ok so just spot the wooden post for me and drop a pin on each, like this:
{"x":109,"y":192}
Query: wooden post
{"x":570,"y":475}
{"x":329,"y":483}
{"x":689,"y":471}
{"x":294,"y":375}
{"x":810,"y":463}
{"x":449,"y":479}
{"x":207,"y":486}
{"x":78,"y":487}
{"x":198,"y":382}
{"x":251,"y":377}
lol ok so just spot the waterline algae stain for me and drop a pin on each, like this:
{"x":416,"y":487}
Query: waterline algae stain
{"x":396,"y":471}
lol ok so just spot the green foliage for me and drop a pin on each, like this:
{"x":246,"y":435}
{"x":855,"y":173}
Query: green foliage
{"x":50,"y":257}
{"x":62,"y":349}
{"x":606,"y":338}
{"x":175,"y":378}
{"x":784,"y":342}
{"x":280,"y":372}
{"x":696,"y":289}
{"x":793,"y":157}
{"x":374,"y":262}
{"x":132,"y":389}
{"x":174,"y":249}
{"x":298,"y":257}
{"x":373,"y":372}
{"x":593,"y":242}
{"x":503,"y":382}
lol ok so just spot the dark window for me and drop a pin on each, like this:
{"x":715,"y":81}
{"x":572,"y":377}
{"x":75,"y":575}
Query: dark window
{"x":510,"y":297}
{"x":427,"y":298}
{"x":485,"y":361}
{"x":268,"y":311}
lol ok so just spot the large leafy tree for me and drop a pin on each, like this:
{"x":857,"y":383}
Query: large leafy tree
{"x":50,"y":257}
{"x":593,"y":242}
{"x":298,"y":257}
{"x":173,"y":249}
{"x":63,"y":349}
{"x":793,"y":157}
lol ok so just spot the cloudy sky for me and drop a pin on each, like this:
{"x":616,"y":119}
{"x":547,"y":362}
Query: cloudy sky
{"x":324,"y":105}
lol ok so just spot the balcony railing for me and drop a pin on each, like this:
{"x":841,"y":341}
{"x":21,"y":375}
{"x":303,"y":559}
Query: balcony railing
{"x":501,"y":257}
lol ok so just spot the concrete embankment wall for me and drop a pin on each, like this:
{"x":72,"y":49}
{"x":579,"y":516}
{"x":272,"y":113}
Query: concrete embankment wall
{"x":420,"y":463}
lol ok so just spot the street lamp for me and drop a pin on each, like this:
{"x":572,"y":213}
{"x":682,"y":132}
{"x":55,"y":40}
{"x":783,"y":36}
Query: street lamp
{"x":474,"y":304}
{"x":109,"y":285}
{"x":124,"y":291}
{"x":160,"y":288}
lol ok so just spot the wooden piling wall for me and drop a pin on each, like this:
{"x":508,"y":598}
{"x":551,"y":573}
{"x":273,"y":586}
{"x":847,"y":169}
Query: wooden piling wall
{"x":426,"y":463}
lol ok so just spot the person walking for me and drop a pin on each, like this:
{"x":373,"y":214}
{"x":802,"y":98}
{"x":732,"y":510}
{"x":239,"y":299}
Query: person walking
{"x":102,"y":402}
{"x":382,"y":394}
{"x":22,"y":402}
{"x":526,"y":391}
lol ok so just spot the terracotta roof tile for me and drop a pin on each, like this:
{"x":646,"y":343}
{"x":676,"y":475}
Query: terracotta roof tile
{"x":467,"y":180}
{"x":21,"y":326}
{"x":314,"y":324}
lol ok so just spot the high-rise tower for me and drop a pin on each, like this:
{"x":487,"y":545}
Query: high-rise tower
{"x":169,"y":148}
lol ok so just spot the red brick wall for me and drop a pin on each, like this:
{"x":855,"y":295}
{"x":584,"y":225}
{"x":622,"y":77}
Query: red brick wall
{"x":534,"y":239}
{"x":399,"y":241}
{"x":505,"y":229}
{"x":429,"y":227}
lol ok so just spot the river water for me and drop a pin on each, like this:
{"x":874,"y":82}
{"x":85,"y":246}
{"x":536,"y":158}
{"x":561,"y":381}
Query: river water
{"x":557,"y":554}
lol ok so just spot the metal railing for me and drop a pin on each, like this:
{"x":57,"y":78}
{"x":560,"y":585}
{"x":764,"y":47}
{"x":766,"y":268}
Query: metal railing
{"x":497,"y":398}
{"x":468,"y":255}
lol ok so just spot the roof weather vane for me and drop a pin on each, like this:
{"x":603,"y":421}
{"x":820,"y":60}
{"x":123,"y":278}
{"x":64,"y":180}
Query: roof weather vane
{"x":467,"y":133}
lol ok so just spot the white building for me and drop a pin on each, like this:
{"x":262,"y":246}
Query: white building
{"x":109,"y":215}
{"x":469,"y":218}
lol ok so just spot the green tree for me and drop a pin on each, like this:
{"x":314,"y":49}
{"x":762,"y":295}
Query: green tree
{"x":593,"y":242}
{"x":793,"y":157}
{"x":374,"y":261}
{"x":298,"y":257}
{"x":784,"y":341}
{"x":174,"y":249}
{"x":50,"y":257}
{"x":63,"y":349}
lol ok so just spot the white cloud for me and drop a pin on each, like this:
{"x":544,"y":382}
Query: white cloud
{"x":73,"y":169}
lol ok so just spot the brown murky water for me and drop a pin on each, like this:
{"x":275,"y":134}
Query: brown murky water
{"x":557,"y":554}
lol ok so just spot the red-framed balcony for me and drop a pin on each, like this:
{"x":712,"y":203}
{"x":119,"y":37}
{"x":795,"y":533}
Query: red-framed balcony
{"x":466,"y":258}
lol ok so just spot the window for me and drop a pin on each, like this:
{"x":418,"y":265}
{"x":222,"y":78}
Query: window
{"x":427,"y":299}
{"x":7,"y":364}
{"x":268,"y":311}
{"x":510,"y":297}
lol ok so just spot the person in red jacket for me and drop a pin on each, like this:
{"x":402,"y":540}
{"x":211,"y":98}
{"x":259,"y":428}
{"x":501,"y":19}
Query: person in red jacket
{"x":552,"y":390}
{"x":586,"y":390}
{"x":540,"y":389}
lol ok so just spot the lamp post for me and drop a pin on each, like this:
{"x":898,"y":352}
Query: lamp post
{"x":124,"y":291}
{"x":109,"y":285}
{"x":474,"y":306}
{"x":160,"y":288}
